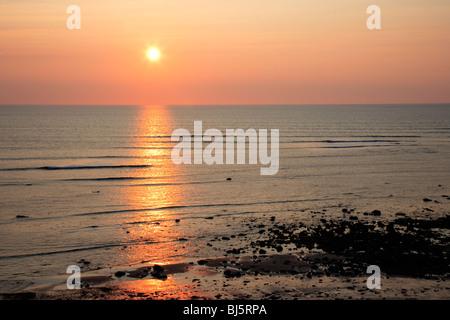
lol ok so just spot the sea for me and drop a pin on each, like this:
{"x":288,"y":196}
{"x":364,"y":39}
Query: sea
{"x":96,"y":185}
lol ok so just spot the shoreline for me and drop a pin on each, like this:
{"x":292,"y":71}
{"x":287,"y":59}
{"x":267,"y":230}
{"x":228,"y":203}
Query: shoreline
{"x":326,"y":258}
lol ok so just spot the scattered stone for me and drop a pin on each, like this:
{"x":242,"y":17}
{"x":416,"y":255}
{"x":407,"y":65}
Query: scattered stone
{"x":158,"y":276}
{"x":426,"y":200}
{"x":119,"y":274}
{"x":376,"y":213}
{"x":228,"y":179}
{"x":232,"y":273}
{"x":158,"y":268}
{"x":19,"y":216}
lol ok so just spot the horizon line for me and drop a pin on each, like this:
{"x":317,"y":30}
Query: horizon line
{"x":223,"y":105}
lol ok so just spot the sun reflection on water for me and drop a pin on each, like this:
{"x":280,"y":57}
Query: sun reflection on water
{"x":158,"y":289}
{"x":152,"y":232}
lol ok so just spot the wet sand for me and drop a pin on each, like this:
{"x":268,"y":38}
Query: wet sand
{"x":324,"y":258}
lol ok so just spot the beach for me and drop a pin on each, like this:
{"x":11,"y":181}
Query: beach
{"x":284,"y":259}
{"x":355,"y":188}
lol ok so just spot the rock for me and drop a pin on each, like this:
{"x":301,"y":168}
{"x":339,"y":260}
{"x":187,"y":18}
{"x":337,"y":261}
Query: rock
{"x":177,"y":220}
{"x":158,"y":276}
{"x":279,"y":248}
{"x":234,"y":251}
{"x":353,"y":218}
{"x":119,"y":274}
{"x":225,"y":238}
{"x":376,"y":213}
{"x":426,"y":200}
{"x":344,"y":210}
{"x":19,"y":216}
{"x":262,"y":251}
{"x":228,"y":179}
{"x":182,"y":239}
{"x":158,"y":272}
{"x":400,"y":214}
{"x":158,"y":268}
{"x":202,"y":262}
{"x":231,"y":274}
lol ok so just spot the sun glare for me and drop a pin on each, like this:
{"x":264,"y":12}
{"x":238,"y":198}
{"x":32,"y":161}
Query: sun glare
{"x":153,"y":54}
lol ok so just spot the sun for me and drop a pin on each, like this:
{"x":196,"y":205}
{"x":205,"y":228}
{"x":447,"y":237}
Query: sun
{"x":153,"y":54}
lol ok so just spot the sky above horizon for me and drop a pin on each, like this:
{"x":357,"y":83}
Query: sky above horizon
{"x":224,"y":52}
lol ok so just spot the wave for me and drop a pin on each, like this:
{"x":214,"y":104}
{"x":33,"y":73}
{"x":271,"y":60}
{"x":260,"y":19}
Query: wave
{"x":197,"y":206}
{"x":341,"y":141}
{"x":107,"y":245}
{"x":347,"y":136}
{"x":357,"y":141}
{"x":58,"y":251}
{"x":78,"y":167}
{"x":76,"y":158}
{"x":106,"y":179}
{"x":359,"y":146}
{"x":171,"y":183}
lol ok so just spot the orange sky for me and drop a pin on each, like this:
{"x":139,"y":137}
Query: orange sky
{"x":224,"y":52}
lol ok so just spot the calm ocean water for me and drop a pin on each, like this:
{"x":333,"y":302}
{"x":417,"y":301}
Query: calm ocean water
{"x":97,"y":182}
